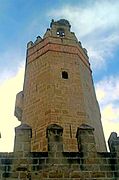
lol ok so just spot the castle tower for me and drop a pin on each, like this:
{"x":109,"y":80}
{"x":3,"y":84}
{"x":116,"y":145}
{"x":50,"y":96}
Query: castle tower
{"x":58,"y":88}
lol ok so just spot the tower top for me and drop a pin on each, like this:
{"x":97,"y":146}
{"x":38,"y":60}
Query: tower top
{"x":62,"y":22}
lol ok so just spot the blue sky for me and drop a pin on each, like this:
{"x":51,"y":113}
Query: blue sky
{"x":96,"y":25}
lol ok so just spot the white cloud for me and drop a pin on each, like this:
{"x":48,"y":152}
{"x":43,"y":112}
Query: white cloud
{"x":96,"y":24}
{"x":8,"y":91}
{"x":107,"y":91}
{"x":10,"y":61}
{"x":111,"y":113}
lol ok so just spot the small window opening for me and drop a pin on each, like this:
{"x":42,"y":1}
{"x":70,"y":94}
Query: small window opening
{"x":64,"y":75}
{"x":60,"y":33}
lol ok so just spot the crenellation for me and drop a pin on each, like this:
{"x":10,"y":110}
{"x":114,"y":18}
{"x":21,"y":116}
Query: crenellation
{"x":29,"y":44}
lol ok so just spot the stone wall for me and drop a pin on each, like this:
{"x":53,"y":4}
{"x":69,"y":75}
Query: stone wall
{"x":56,"y":164}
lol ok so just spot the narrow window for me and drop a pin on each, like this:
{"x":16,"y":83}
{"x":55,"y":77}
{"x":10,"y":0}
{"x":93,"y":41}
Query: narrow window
{"x":64,"y":75}
{"x":70,"y":131}
{"x":35,"y":136}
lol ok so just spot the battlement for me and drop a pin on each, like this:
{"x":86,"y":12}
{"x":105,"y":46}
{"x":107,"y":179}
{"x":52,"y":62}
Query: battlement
{"x":85,"y":164}
{"x":58,"y":33}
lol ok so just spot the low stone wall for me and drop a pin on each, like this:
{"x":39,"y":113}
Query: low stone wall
{"x":87,"y":164}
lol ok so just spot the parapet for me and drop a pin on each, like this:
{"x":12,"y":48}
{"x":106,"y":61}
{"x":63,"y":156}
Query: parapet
{"x":87,"y":164}
{"x":22,"y":145}
{"x":85,"y":139}
{"x":58,"y":33}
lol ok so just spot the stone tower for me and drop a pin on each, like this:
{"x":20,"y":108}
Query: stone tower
{"x":58,"y":88}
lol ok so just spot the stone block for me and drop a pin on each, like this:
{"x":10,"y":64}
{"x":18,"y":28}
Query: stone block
{"x":86,"y":140}
{"x":22,"y":144}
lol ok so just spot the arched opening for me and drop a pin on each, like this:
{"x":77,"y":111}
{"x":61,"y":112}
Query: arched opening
{"x":60,"y":32}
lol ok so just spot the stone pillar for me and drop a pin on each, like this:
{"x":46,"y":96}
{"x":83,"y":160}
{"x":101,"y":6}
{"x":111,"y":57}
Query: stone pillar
{"x":55,"y":142}
{"x":22,"y":147}
{"x":22,"y":144}
{"x":87,"y":147}
{"x":86,"y":140}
